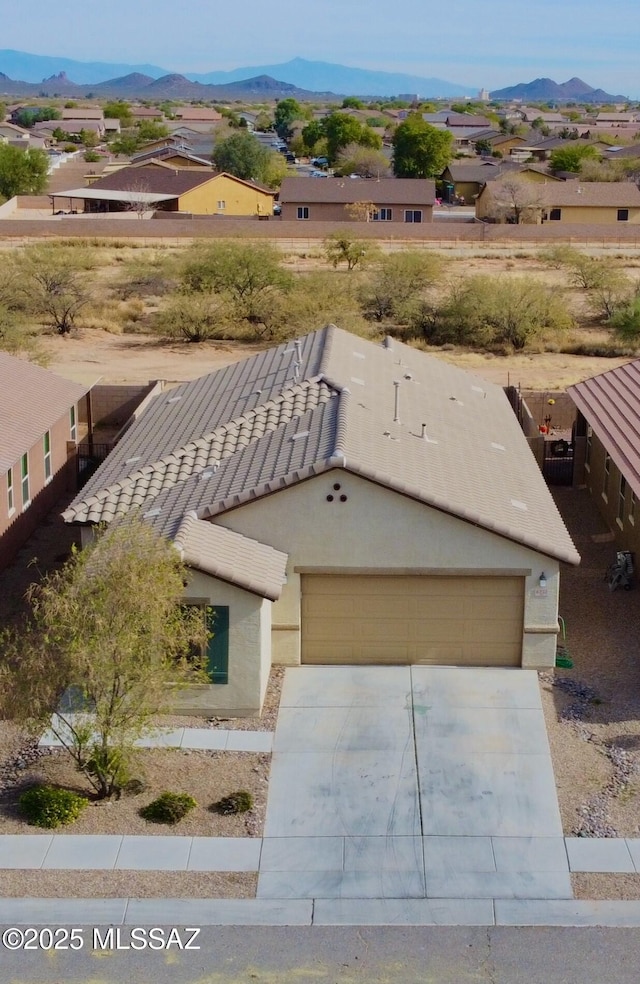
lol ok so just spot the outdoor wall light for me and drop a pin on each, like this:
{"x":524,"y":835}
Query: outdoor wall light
{"x":542,"y":580}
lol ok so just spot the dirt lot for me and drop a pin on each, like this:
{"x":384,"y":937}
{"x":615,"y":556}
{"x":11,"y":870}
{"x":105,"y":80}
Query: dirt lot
{"x":93,"y":354}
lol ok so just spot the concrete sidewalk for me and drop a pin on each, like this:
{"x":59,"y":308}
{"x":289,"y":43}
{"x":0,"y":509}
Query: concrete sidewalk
{"x":204,"y":739}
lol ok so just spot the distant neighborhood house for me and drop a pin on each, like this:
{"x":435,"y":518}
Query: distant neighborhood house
{"x":395,"y":200}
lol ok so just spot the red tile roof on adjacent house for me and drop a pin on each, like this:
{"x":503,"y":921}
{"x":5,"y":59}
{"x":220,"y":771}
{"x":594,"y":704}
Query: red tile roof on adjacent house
{"x":32,"y":399}
{"x":610,"y":403}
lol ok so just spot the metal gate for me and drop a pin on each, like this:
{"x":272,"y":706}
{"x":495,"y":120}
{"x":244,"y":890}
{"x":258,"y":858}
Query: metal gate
{"x":88,"y":458}
{"x":557,"y":467}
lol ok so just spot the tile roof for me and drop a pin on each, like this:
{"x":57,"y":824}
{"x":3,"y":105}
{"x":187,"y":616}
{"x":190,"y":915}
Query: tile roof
{"x":610,"y":403}
{"x":231,"y":557}
{"x":32,"y":399}
{"x":328,"y":401}
{"x":393,"y":191}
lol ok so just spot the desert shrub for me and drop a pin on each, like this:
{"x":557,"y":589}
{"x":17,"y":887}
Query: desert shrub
{"x":626,"y":320}
{"x":168,"y":808}
{"x":197,"y":317}
{"x":396,"y":282}
{"x":244,"y":270}
{"x":498,"y":313}
{"x":239,"y":802}
{"x":50,"y":806}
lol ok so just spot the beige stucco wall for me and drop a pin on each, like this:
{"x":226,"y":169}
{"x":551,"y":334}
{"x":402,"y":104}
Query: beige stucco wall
{"x":596,"y":215}
{"x":376,"y":529}
{"x":249,"y":651}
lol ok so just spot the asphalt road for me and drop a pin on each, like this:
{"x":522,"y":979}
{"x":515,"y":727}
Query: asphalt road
{"x":372,"y":955}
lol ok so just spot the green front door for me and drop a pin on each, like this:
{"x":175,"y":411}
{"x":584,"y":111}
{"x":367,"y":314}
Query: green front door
{"x":218,"y":644}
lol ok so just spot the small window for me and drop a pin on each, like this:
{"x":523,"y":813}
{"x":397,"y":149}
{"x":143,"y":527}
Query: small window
{"x":221,"y":206}
{"x":10,"y":502}
{"x":216,"y":650}
{"x":622,"y":494}
{"x":24,"y":475}
{"x":555,"y":215}
{"x":73,"y":429}
{"x":623,"y":215}
{"x":632,"y":508}
{"x":587,"y":449}
{"x":383,"y":215}
{"x":413,"y":215}
{"x":303,"y":211}
{"x":607,"y":472}
{"x":47,"y":457}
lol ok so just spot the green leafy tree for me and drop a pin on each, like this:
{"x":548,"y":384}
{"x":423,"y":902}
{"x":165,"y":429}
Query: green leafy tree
{"x":242,"y":156}
{"x":571,"y":158}
{"x":118,"y":110}
{"x":108,"y":629}
{"x":127,"y":143}
{"x":419,"y":149}
{"x":286,"y":112}
{"x":352,"y":102}
{"x":311,"y":135}
{"x":263,"y":122}
{"x":152,"y":130}
{"x":340,"y":130}
{"x":29,"y":115}
{"x":22,"y":172}
{"x":342,"y":248}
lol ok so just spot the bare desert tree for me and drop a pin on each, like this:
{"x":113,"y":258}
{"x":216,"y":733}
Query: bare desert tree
{"x":515,"y":199}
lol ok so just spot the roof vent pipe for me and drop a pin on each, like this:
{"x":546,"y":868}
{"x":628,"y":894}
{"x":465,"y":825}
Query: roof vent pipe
{"x":424,"y":432}
{"x":396,"y":405}
{"x":298,"y":347}
{"x":388,"y":342}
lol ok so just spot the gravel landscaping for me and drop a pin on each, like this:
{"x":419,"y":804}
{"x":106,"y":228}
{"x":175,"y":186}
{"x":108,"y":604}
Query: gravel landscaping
{"x":593,"y":710}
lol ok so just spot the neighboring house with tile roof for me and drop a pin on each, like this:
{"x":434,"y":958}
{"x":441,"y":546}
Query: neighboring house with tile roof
{"x":607,"y":452}
{"x":192,"y":190}
{"x":328,"y":199}
{"x":42,"y":416}
{"x":577,"y":202}
{"x":343,"y":501}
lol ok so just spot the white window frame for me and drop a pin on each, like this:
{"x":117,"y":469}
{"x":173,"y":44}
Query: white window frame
{"x":46,"y":447}
{"x":413,"y":212}
{"x":24,"y":481}
{"x":303,"y":212}
{"x":606,"y":476}
{"x":221,"y":205}
{"x":632,"y":508}
{"x":383,"y":215}
{"x":11,"y":505}
{"x":622,"y":495}
{"x":73,"y":424}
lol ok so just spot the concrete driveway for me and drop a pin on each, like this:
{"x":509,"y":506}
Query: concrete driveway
{"x":412,"y":782}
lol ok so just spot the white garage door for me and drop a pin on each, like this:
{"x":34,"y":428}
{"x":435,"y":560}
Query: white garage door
{"x":473,"y":621}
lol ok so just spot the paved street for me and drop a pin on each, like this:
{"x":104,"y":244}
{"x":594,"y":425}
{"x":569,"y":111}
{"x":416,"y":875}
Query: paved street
{"x":347,"y":955}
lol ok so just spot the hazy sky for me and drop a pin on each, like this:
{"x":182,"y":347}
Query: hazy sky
{"x":465,"y":41}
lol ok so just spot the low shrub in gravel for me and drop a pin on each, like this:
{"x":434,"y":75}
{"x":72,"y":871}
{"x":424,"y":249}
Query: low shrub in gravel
{"x":238,"y":802}
{"x":49,"y":806}
{"x":168,"y":808}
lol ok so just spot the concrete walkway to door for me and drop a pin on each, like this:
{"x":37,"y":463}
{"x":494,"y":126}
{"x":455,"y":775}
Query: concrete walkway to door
{"x":412,"y":782}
